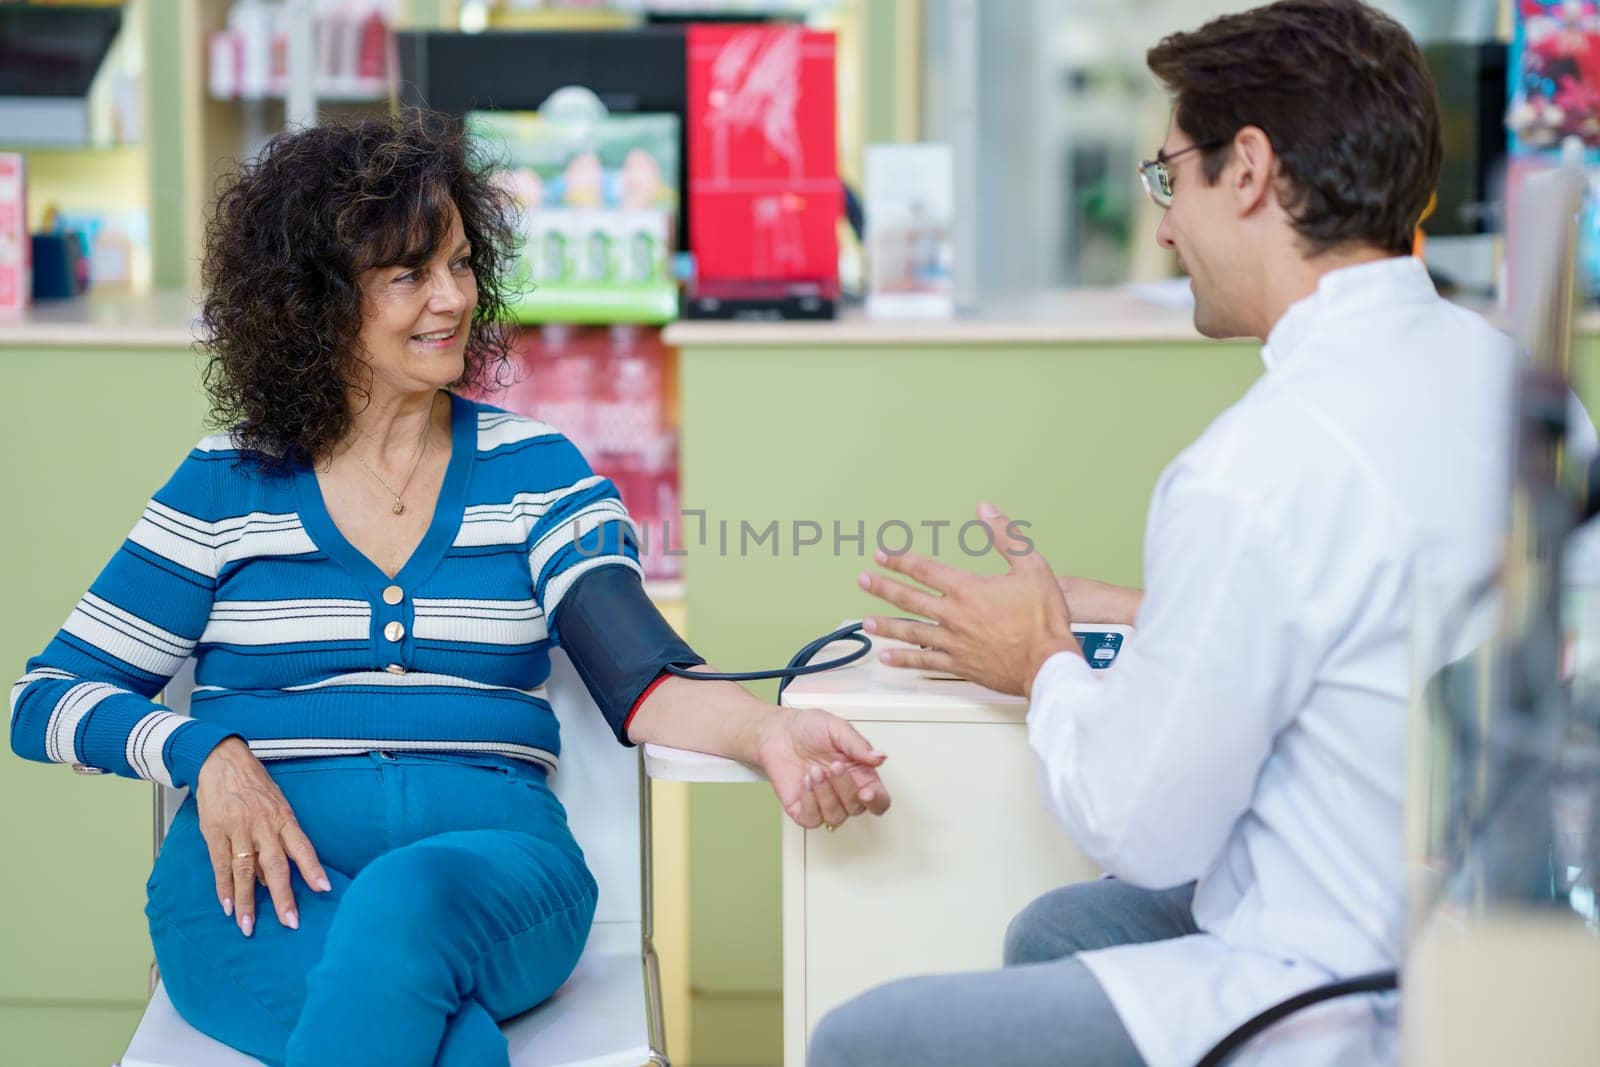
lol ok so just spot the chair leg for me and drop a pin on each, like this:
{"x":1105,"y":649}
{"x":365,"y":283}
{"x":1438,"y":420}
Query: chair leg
{"x":158,"y":819}
{"x":655,"y":1022}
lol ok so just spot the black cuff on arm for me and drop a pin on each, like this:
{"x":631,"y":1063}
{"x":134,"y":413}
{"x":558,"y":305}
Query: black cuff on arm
{"x":617,"y":640}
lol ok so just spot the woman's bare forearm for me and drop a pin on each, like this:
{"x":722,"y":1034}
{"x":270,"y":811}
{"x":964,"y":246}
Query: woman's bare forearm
{"x":1089,"y":601}
{"x":721,"y":718}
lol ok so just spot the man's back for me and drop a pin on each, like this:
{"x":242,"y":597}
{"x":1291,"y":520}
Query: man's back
{"x":1297,"y":555}
{"x":1375,"y":452}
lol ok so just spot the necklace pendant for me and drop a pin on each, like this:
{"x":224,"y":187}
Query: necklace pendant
{"x":398,"y":507}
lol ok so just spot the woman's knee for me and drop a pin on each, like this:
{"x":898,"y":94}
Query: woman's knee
{"x":414,"y":882}
{"x":402,"y":909}
{"x":448,"y":897}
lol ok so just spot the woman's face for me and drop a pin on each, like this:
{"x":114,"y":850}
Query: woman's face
{"x":415,"y":320}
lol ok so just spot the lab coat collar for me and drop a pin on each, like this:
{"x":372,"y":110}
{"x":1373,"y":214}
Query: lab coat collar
{"x":1346,"y":291}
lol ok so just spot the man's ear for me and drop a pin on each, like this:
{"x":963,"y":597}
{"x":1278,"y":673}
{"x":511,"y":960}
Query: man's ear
{"x":1252,"y":172}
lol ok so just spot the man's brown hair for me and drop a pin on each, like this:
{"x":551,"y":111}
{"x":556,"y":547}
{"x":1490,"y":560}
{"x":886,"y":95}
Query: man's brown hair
{"x":1344,"y":96}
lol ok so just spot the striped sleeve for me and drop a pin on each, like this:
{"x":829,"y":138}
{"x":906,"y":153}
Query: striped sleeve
{"x":585,"y":526}
{"x":87,"y":697}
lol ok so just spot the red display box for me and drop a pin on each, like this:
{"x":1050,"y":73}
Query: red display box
{"x":764,"y":192}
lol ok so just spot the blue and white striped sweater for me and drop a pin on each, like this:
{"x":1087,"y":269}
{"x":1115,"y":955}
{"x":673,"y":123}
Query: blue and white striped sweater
{"x":295,"y":643}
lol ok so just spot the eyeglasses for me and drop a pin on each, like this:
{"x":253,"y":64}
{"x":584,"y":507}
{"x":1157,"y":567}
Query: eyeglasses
{"x":1157,"y":175}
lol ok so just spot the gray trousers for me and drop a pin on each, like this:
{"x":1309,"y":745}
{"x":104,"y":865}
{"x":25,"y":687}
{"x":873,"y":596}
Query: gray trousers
{"x":1043,"y":1009}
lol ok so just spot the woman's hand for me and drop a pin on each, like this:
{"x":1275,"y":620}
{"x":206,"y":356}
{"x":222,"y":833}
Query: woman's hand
{"x":822,"y":769}
{"x":251,"y":834}
{"x":1092,"y":601}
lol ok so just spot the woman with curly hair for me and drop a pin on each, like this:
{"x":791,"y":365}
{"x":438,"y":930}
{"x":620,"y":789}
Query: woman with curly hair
{"x":369,"y":571}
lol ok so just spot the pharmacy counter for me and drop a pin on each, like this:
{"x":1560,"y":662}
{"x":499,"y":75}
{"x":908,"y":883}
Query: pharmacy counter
{"x":1130,"y":314}
{"x":153,"y":320}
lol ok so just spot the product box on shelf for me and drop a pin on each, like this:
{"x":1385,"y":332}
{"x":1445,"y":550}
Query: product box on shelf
{"x":764,"y":191}
{"x":353,"y":42}
{"x":597,"y":203}
{"x":1555,"y":75}
{"x":909,"y":209}
{"x":1553,"y":112}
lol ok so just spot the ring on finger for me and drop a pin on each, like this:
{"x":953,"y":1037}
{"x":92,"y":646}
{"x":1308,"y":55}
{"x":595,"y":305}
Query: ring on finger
{"x":244,"y":855}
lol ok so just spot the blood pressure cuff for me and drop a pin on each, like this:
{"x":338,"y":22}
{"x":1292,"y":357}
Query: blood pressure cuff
{"x":617,"y":640}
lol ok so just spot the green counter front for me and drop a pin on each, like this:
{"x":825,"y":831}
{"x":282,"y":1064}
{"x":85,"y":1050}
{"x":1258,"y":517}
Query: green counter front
{"x":90,"y":432}
{"x":833,"y":432}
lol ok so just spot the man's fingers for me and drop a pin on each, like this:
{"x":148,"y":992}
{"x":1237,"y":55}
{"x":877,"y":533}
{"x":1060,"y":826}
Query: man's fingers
{"x":300,"y":850}
{"x":930,"y":572}
{"x":1016,"y":550}
{"x":922,"y":659}
{"x":910,"y":631}
{"x":901,"y":595}
{"x":243,"y":864}
{"x":275,"y":870}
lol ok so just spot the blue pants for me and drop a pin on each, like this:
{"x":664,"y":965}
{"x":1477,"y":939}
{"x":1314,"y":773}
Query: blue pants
{"x":459,"y":899}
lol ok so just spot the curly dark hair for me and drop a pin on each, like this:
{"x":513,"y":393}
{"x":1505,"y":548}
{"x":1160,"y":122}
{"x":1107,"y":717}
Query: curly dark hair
{"x":1343,"y":94}
{"x":285,"y":248}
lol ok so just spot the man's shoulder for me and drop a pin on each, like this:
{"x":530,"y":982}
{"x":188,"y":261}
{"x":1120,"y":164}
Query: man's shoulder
{"x":1334,"y":433}
{"x":1256,"y":433}
{"x":1466,"y":332}
{"x":1271,"y":447}
{"x":1429,"y":333}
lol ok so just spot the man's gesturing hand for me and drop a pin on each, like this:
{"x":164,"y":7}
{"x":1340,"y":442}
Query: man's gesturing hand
{"x":996,"y":630}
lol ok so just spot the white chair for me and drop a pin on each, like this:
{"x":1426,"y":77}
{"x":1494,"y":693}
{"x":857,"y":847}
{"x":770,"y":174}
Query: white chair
{"x":608,"y":1014}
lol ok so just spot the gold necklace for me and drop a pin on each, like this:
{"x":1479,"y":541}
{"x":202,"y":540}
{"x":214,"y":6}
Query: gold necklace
{"x":422,"y":447}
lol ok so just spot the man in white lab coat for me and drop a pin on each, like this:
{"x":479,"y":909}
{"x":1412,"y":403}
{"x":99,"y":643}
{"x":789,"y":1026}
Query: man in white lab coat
{"x":1241,"y":770}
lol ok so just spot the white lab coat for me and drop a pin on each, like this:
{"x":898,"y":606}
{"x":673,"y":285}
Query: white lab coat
{"x":1253,"y":735}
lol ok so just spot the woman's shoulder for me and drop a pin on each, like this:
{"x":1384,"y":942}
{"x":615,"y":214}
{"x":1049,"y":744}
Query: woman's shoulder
{"x":222,"y":469}
{"x":499,"y":429}
{"x":222,"y":445}
{"x":525,"y":452}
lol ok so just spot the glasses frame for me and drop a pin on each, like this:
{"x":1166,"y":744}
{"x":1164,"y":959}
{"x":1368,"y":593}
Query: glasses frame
{"x":1156,"y":174}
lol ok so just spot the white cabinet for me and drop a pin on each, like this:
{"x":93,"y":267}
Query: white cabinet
{"x":930,"y":886}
